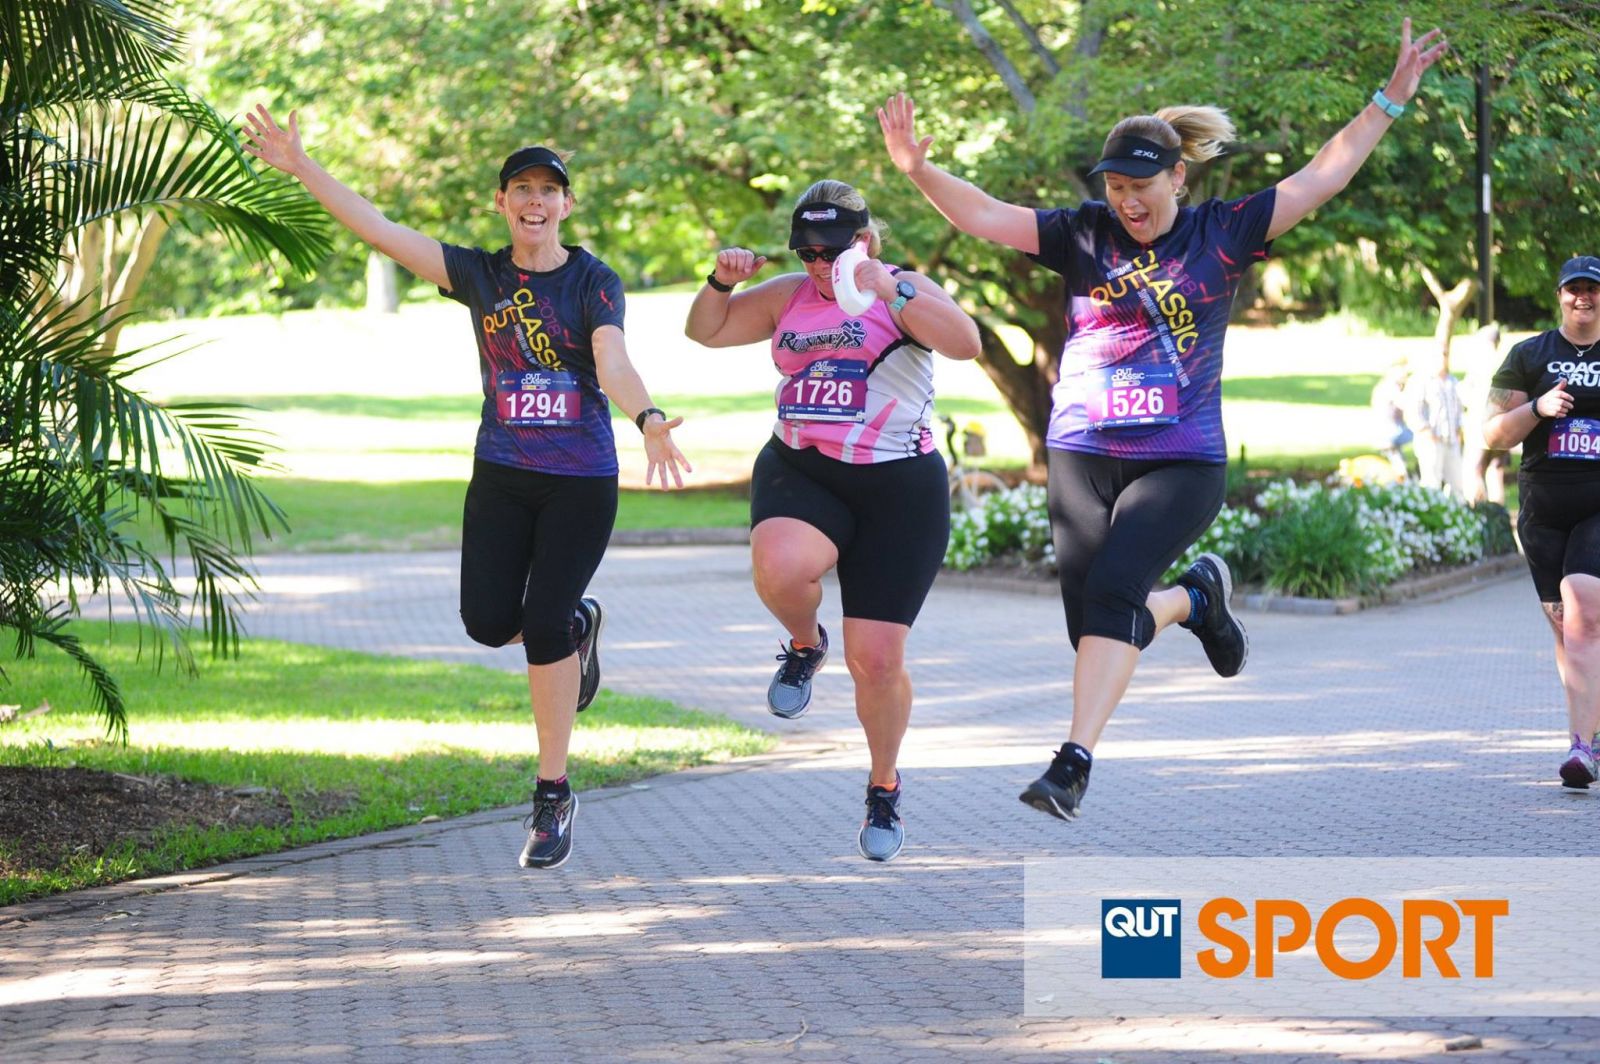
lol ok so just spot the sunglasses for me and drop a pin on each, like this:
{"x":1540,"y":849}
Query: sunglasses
{"x":826,"y":254}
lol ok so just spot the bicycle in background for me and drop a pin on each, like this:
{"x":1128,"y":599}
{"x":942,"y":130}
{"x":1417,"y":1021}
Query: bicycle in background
{"x":967,"y":486}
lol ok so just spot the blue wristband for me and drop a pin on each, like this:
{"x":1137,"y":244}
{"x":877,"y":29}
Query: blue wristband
{"x":1388,"y":106}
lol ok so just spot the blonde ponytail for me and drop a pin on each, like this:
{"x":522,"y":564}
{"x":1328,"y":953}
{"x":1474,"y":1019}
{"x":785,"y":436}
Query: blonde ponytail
{"x":1200,"y":132}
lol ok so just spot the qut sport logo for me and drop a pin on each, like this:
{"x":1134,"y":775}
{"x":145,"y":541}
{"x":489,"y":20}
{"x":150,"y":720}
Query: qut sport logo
{"x":1141,"y":938}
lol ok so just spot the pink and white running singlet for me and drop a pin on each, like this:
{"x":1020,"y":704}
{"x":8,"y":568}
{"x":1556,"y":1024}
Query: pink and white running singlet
{"x":855,"y":387}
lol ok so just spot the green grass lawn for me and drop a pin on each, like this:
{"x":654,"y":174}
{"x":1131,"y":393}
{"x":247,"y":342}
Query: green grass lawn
{"x":385,"y":740}
{"x":351,"y":516}
{"x":375,"y":415}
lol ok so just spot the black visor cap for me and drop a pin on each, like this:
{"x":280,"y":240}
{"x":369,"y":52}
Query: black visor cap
{"x":1136,"y":157}
{"x":825,"y":225}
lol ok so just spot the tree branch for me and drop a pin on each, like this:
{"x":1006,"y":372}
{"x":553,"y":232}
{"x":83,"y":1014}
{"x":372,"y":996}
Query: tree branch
{"x":1031,"y":35}
{"x":992,"y":51}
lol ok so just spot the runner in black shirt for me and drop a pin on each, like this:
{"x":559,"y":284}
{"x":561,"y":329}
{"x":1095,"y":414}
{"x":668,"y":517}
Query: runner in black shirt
{"x":1546,"y":396}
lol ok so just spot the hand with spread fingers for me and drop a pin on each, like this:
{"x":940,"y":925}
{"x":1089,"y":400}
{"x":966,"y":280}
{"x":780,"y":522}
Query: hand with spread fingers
{"x":279,"y":148}
{"x":662,"y":457}
{"x":1414,"y":60}
{"x":898,"y":120}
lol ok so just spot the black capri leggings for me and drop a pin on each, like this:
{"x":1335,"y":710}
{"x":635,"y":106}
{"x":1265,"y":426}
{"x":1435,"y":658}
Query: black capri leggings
{"x":529,"y":544}
{"x":1118,"y":524}
{"x":890,"y":521}
{"x":1559,"y":525}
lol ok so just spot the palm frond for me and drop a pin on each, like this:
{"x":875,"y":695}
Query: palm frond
{"x":152,"y":161}
{"x":49,"y":48}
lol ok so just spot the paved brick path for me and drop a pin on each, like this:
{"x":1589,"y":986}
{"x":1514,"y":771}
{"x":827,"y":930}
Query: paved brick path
{"x":724,"y":914}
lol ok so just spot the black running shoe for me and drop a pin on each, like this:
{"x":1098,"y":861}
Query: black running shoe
{"x":1059,"y":791}
{"x":549,"y":829}
{"x":1221,"y":634}
{"x":589,"y":651}
{"x":789,"y":694}
{"x":882,"y":834}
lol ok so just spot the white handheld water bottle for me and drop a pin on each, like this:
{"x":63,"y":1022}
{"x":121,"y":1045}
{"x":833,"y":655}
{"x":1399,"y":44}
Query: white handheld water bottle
{"x":850,"y":298}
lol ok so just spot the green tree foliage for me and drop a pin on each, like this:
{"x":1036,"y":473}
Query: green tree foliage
{"x":96,"y":141}
{"x":696,"y":123}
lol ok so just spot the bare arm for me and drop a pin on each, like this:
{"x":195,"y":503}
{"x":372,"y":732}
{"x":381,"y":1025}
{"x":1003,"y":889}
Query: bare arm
{"x":281,"y":148}
{"x":932,"y":319}
{"x":729,"y":319}
{"x":965,"y":205}
{"x":1331,"y":170}
{"x":623,"y":384}
{"x":1513,"y":414}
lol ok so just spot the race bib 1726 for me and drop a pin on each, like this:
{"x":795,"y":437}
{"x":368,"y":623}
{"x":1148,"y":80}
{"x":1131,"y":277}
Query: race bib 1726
{"x":826,"y":390}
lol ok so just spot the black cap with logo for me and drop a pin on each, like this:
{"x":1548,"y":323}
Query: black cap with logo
{"x":533,"y":155}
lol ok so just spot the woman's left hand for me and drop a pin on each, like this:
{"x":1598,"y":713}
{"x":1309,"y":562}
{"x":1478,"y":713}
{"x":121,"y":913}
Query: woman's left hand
{"x":1415,"y":58}
{"x":874,"y":276}
{"x":662,"y":456}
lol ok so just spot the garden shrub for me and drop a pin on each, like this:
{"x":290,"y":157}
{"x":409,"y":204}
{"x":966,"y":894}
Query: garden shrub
{"x":1307,"y":539}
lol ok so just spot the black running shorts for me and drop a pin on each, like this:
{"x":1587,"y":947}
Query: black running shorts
{"x":1118,"y":524}
{"x":889,"y":520}
{"x":1559,"y":525}
{"x":530,"y":542}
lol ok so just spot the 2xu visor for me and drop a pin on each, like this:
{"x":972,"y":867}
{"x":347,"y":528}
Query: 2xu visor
{"x":1136,"y":157}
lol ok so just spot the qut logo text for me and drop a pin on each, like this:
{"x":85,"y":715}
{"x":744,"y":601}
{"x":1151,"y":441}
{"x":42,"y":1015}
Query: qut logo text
{"x":1141,"y":938}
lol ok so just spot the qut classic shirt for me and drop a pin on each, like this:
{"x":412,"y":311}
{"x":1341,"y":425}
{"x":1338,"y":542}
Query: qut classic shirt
{"x":542,"y":404}
{"x":1141,"y":370}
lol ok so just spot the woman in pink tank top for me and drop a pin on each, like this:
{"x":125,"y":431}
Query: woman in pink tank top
{"x":850,"y":479}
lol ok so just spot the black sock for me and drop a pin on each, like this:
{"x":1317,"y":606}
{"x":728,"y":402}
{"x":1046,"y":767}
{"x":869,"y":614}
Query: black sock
{"x":1071,"y":758}
{"x":560,"y":786}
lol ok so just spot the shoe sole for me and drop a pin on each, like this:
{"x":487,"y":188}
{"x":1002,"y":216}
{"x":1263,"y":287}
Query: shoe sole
{"x":1227,"y":611}
{"x":566,"y":851}
{"x":1574,"y":776}
{"x":1046,"y":804}
{"x":586,"y":692}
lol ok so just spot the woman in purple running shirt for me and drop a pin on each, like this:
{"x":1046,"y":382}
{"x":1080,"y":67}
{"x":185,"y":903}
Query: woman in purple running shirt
{"x":547,"y":318}
{"x":1137,"y":461}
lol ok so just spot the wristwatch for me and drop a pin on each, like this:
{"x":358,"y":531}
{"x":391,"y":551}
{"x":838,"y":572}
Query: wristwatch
{"x":906,"y":293}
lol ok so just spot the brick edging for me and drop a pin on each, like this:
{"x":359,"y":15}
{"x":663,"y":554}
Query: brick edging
{"x":1449,"y":581}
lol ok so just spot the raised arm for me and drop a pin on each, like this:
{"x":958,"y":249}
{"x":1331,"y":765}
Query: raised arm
{"x":967,"y":207}
{"x":721,"y":317}
{"x":281,"y":149}
{"x":1331,"y":170}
